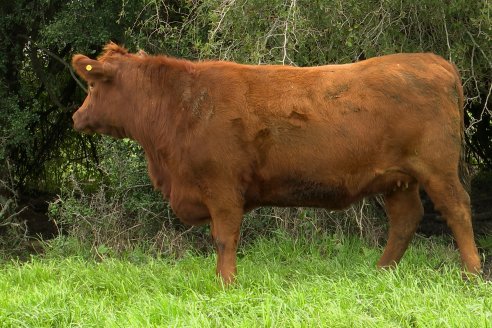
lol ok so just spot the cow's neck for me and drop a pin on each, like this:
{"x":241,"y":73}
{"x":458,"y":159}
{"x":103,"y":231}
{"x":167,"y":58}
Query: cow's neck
{"x":162,"y":118}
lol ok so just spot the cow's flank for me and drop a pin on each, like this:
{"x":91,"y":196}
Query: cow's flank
{"x":222,"y":138}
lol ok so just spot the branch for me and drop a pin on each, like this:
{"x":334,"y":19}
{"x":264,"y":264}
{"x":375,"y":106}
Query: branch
{"x":56,"y":57}
{"x":447,"y":34}
{"x":8,"y":220}
{"x":227,"y":5}
{"x":51,"y":54}
{"x":36,"y":65}
{"x":286,"y":30}
{"x":479,"y":48}
{"x":485,"y":106}
{"x":5,"y":208}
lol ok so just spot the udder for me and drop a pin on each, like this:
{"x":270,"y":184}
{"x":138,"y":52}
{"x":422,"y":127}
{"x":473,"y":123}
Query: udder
{"x":389,"y":181}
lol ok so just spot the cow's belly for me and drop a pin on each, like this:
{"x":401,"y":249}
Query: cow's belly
{"x":330,"y":194}
{"x":295,"y":191}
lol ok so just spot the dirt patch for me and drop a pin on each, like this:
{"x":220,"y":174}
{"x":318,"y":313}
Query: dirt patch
{"x":34,"y":212}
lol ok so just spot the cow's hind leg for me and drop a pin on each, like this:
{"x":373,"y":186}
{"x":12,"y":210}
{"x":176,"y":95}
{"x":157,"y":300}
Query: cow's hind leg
{"x":404,"y":210}
{"x":452,"y":201}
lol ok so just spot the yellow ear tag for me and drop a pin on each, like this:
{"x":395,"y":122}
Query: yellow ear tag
{"x":88,"y":68}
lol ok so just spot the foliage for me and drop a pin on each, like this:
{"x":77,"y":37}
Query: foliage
{"x":121,"y":213}
{"x":38,"y":92}
{"x":38,"y":95}
{"x":328,"y":282}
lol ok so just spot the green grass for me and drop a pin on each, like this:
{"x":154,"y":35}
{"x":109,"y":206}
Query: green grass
{"x":330,"y":282}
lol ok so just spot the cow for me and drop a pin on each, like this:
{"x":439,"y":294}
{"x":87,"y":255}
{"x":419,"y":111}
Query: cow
{"x":223,"y":138}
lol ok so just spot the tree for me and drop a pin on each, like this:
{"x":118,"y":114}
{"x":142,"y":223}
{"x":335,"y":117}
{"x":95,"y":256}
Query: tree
{"x":39,"y":92}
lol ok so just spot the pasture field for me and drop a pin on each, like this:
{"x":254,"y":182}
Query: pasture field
{"x":328,"y":282}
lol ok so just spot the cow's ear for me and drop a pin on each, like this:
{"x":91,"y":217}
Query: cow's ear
{"x":92,"y":70}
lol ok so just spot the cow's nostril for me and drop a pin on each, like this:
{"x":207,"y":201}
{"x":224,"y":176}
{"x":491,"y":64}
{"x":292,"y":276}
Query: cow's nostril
{"x":76,"y":120}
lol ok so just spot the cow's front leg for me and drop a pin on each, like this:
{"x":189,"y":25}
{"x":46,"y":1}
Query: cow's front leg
{"x":225,"y":226}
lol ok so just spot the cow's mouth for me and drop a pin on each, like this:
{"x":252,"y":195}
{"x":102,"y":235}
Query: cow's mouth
{"x":83,"y":129}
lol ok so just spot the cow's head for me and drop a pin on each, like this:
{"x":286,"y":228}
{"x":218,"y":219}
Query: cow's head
{"x":104,"y":107}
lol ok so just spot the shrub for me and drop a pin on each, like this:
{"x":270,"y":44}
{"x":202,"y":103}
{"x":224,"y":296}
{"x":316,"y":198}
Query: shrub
{"x":119,"y":212}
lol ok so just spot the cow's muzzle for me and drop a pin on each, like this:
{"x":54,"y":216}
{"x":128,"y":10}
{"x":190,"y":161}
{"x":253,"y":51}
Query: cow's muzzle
{"x":80,"y":122}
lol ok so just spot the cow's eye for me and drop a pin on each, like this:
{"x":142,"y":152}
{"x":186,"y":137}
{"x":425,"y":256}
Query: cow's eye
{"x":91,"y":86}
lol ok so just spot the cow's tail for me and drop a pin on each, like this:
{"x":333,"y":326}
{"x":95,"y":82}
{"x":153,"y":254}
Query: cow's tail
{"x":463,"y":167}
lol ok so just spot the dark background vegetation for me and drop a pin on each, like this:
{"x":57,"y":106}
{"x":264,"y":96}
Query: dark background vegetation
{"x":94,"y":191}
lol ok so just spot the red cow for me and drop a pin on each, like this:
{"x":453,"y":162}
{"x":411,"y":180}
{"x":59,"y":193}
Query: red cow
{"x":222,"y":138}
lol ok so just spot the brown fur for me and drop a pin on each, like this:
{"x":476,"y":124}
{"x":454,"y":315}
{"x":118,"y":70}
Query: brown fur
{"x":223,"y":138}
